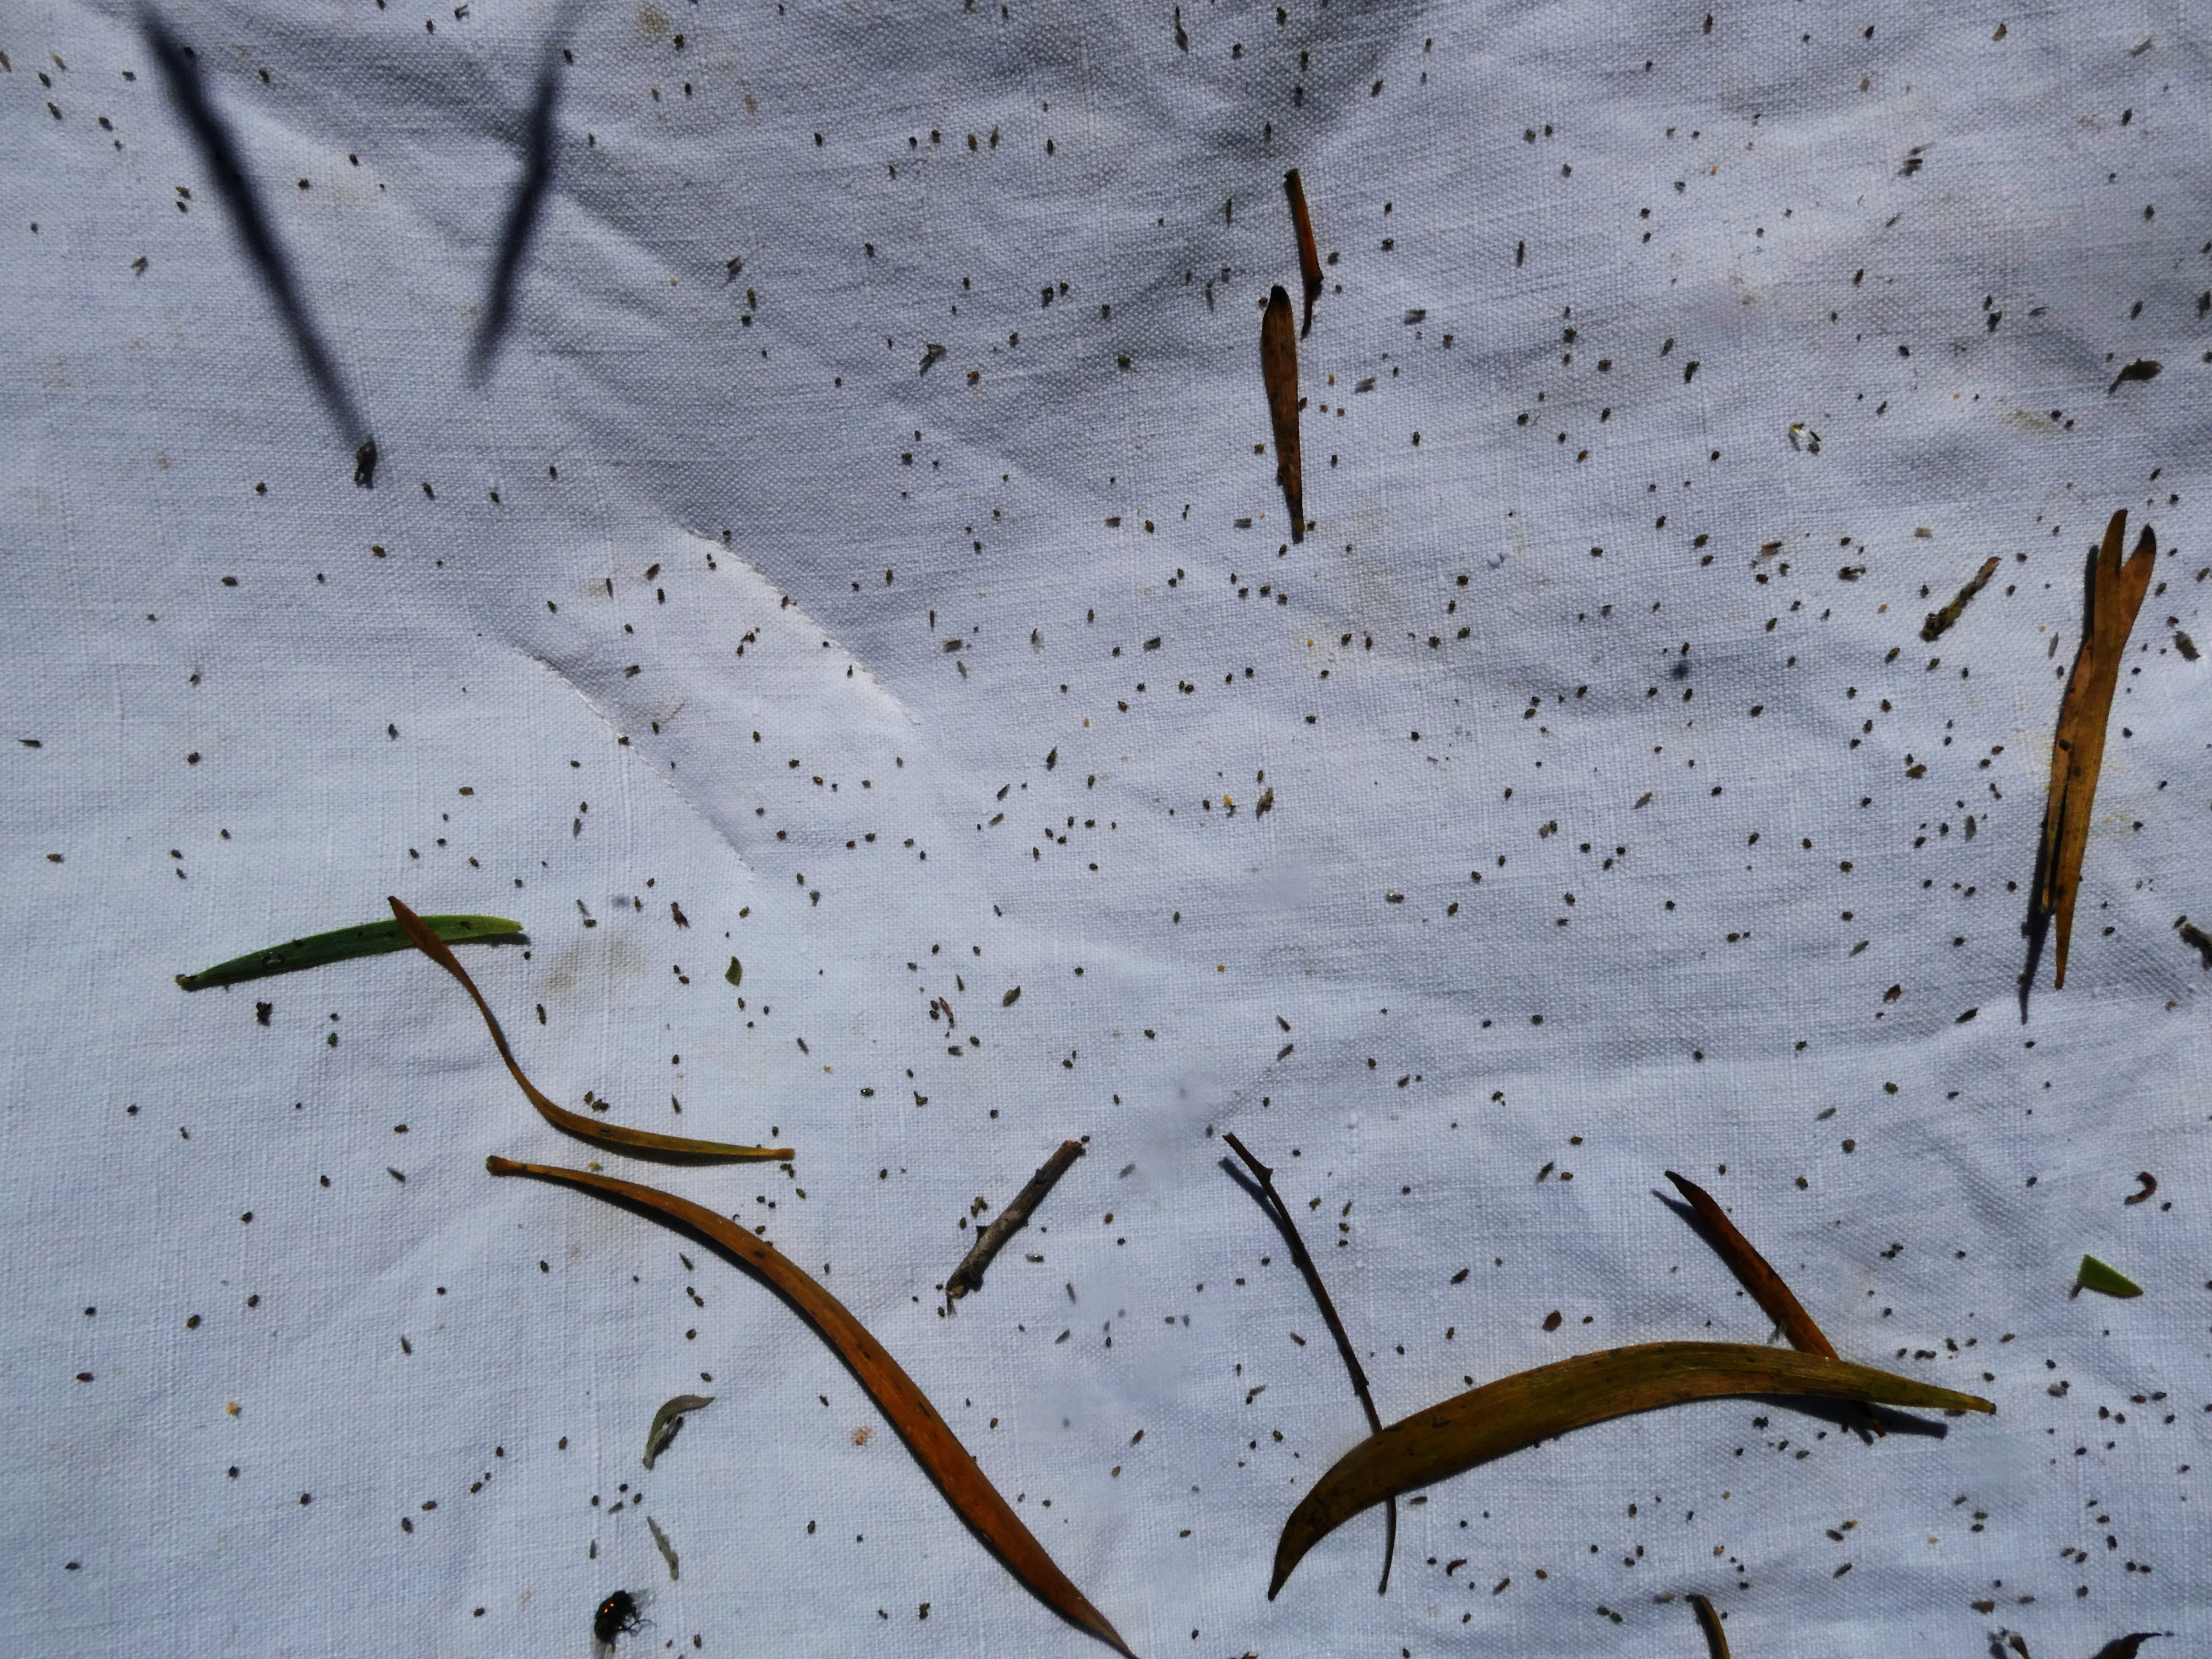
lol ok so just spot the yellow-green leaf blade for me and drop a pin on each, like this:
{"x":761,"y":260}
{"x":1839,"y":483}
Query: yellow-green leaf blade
{"x":1518,"y":1411}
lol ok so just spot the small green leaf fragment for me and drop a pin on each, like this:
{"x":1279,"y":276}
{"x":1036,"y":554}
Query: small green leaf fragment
{"x":369,"y":939}
{"x":736,"y":974}
{"x":667,"y":1423}
{"x":2096,"y":1276}
{"x":661,"y":1542}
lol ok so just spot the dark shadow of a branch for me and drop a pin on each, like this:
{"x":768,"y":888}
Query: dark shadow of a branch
{"x":226,"y":169}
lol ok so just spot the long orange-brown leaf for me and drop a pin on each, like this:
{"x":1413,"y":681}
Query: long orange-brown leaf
{"x":1756,"y":1273}
{"x":1518,"y":1411}
{"x":1279,"y":368}
{"x":638,"y":1143}
{"x":1308,"y":253}
{"x":934,"y":1446}
{"x":2116,"y":593}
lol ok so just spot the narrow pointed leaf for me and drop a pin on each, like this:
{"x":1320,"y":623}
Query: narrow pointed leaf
{"x":638,"y":1143}
{"x":1304,"y":1260}
{"x":1308,"y":253}
{"x":369,"y":939}
{"x":1756,"y":1273}
{"x":934,"y":1446}
{"x":1518,"y":1411}
{"x":1279,"y":368}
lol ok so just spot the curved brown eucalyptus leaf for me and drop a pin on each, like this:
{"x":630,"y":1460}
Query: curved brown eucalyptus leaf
{"x":934,"y":1446}
{"x":638,"y":1143}
{"x":1518,"y":1411}
{"x":1708,"y":1621}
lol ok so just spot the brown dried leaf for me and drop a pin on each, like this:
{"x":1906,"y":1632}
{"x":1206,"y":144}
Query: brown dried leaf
{"x":1279,"y":368}
{"x":2116,"y":593}
{"x":1709,"y":1622}
{"x":1756,"y":1275}
{"x":1519,"y":1411}
{"x":934,"y":1446}
{"x":638,"y":1143}
{"x":1309,"y":254}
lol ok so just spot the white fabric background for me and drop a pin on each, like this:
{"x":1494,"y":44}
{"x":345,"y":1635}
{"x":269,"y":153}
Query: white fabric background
{"x":1703,"y":1003}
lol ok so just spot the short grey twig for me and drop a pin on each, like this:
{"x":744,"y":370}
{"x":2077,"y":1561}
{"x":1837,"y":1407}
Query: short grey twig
{"x":969,"y":1275}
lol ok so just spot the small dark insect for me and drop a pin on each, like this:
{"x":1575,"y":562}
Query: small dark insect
{"x":2150,"y":1183}
{"x":2143,"y":368}
{"x":2195,"y":938}
{"x":617,"y":1616}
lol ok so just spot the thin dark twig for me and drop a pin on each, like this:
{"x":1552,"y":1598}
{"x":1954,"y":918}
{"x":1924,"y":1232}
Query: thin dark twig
{"x":969,"y":1275}
{"x":1305,"y":1265}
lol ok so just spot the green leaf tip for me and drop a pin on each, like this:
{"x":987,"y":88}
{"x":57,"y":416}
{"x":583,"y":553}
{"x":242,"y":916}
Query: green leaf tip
{"x":2096,"y":1276}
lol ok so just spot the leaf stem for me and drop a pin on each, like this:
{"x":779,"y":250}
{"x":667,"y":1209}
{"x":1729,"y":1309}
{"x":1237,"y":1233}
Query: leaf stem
{"x":1305,"y":1265}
